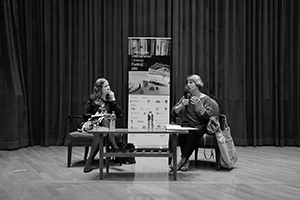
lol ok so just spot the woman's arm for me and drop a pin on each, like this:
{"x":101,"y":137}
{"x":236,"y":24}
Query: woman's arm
{"x":117,"y":108}
{"x":88,"y":110}
{"x":203,"y":108}
{"x":179,"y":106}
{"x":114,"y":106}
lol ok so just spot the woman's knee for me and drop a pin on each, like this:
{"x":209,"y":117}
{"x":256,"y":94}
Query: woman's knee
{"x":105,"y":122}
{"x":200,"y":132}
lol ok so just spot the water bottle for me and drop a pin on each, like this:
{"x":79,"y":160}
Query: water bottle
{"x":112,"y":123}
{"x":150,"y":120}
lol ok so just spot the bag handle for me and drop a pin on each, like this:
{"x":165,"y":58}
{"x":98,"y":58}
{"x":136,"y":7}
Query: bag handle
{"x":223,"y":122}
{"x":211,"y":150}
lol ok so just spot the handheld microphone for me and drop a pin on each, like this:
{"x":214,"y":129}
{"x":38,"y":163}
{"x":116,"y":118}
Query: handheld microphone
{"x":187,"y":95}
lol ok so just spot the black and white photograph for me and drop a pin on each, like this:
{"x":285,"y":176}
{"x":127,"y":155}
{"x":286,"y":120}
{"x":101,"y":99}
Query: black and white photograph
{"x":149,"y":99}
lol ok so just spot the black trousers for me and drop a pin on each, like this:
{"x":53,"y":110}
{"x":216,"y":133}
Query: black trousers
{"x":189,"y":142}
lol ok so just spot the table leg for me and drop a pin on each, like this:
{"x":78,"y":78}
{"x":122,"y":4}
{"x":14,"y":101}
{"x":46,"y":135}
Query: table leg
{"x":107,"y":158}
{"x":174,"y":146}
{"x":101,"y":155}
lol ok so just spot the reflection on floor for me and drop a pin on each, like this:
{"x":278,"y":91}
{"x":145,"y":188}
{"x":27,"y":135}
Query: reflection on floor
{"x":41,"y":173}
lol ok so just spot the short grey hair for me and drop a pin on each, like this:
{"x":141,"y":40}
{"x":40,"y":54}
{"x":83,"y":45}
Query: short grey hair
{"x":197,"y":79}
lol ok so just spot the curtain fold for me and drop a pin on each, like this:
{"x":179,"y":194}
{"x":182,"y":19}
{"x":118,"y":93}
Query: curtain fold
{"x":13,"y":99}
{"x":247,"y":53}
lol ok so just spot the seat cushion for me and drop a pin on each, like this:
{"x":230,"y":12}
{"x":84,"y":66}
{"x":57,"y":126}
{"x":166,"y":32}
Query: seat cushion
{"x":77,"y":137}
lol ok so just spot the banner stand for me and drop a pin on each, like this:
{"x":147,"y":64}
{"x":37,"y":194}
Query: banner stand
{"x":149,"y":66}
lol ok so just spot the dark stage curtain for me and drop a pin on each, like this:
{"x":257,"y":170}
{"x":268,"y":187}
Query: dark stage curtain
{"x":52,"y":51}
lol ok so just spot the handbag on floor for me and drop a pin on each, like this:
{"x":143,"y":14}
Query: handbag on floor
{"x":227,"y":148}
{"x":125,"y":147}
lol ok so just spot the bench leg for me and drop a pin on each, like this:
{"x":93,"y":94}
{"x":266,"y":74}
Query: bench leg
{"x":196,"y":154}
{"x":69,"y":154}
{"x":174,"y":154}
{"x":170,"y":149}
{"x":218,"y":158}
{"x":86,"y":152}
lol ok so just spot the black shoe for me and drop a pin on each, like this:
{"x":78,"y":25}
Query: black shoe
{"x":88,"y":167}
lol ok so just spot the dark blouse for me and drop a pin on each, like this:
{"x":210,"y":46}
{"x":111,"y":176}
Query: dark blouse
{"x":91,"y":108}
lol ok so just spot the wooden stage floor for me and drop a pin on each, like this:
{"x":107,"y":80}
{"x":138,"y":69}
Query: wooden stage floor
{"x":36,"y":172}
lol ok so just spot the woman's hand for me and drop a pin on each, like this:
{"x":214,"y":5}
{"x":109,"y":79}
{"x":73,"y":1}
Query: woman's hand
{"x":198,"y":103}
{"x":185,"y":102}
{"x":112,"y":96}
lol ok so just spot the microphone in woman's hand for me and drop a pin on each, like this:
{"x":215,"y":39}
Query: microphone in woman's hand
{"x":187,"y":95}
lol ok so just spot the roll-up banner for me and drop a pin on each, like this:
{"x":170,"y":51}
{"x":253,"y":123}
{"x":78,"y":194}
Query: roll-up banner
{"x":148,"y":88}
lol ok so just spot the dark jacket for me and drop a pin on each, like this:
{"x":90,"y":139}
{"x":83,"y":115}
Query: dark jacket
{"x":91,"y":108}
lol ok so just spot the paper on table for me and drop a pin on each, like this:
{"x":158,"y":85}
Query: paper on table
{"x":178,"y":127}
{"x":100,"y":128}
